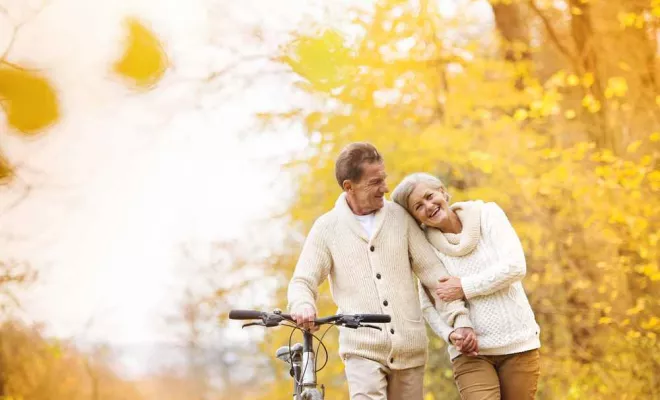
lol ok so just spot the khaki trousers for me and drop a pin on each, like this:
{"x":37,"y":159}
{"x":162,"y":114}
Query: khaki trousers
{"x":505,"y":377}
{"x":371,"y":380}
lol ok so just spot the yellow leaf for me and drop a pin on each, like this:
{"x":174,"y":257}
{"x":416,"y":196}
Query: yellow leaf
{"x":632,"y":147}
{"x":605,"y":320}
{"x":569,"y":114}
{"x":627,"y":19}
{"x":6,"y":170}
{"x":646,"y":161}
{"x":624,"y":66}
{"x":573,"y":80}
{"x":656,"y":12}
{"x":591,"y":103}
{"x":143,"y":62}
{"x":520,"y":115}
{"x":323,"y":59}
{"x":655,"y":137}
{"x":576,"y":11}
{"x":28,"y":99}
{"x":616,"y":86}
{"x":588,"y":80}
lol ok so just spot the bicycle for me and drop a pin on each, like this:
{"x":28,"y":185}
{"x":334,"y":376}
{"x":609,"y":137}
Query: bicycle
{"x":301,"y":357}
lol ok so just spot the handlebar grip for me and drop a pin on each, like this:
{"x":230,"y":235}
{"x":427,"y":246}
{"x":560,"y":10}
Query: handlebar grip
{"x":375,"y":318}
{"x":245,"y":314}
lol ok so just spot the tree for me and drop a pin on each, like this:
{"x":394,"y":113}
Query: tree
{"x":582,"y":196}
{"x":39,"y":368}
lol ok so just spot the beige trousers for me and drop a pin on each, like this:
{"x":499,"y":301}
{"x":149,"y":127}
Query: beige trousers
{"x":506,"y":377}
{"x":371,"y":380}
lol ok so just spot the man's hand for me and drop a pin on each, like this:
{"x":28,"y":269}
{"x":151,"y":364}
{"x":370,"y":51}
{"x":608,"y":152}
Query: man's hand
{"x":305,"y":318}
{"x":449,"y":289}
{"x":465,"y":341}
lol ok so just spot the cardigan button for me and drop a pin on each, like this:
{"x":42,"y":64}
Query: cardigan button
{"x":392,"y":331}
{"x":377,"y":276}
{"x":392,"y":360}
{"x":385,"y":303}
{"x":372,"y":248}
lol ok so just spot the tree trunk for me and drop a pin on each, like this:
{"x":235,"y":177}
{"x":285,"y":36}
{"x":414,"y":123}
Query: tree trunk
{"x":642,"y":48}
{"x":515,"y":33}
{"x":584,"y":38}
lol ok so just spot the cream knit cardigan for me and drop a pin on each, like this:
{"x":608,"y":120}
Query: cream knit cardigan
{"x":375,"y":276}
{"x":491,"y":272}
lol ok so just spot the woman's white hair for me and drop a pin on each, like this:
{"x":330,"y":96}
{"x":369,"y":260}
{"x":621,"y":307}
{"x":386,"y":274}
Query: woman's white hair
{"x":404,"y":189}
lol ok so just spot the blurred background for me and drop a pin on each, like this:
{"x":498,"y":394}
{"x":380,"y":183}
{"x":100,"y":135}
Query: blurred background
{"x":162,"y":161}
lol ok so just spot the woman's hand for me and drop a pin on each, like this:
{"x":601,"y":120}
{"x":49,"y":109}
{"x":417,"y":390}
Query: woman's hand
{"x":465,"y":341}
{"x":449,"y":289}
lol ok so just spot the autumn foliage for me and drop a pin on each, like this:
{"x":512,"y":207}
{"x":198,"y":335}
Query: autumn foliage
{"x":555,"y":115}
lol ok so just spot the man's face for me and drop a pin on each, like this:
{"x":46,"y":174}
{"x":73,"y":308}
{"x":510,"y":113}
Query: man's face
{"x":369,"y":192}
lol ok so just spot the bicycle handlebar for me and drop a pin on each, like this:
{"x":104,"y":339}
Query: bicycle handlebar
{"x":375,"y":318}
{"x":273,"y":319}
{"x":251,"y":314}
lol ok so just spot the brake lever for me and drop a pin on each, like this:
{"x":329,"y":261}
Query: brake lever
{"x":371,"y":326}
{"x":254,"y":324}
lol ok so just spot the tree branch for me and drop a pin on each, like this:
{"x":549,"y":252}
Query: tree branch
{"x":554,"y":38}
{"x":18,"y":26}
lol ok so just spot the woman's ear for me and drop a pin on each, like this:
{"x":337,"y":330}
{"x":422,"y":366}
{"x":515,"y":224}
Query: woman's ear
{"x":445,"y":194}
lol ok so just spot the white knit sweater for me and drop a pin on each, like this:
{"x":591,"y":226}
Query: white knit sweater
{"x":375,"y":276}
{"x":491,"y":277}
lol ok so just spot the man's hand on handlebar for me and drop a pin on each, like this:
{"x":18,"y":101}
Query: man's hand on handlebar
{"x":305,"y":318}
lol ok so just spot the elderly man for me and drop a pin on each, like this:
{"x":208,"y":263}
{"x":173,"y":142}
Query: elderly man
{"x":371,"y":250}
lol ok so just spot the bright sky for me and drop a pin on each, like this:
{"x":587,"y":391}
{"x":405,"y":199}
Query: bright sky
{"x":125,"y":179}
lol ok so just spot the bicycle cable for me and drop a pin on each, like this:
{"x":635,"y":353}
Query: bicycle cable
{"x":295,"y":327}
{"x":325,"y":349}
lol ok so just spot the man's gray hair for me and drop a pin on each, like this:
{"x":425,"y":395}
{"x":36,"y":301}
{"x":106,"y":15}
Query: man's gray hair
{"x":404,"y":189}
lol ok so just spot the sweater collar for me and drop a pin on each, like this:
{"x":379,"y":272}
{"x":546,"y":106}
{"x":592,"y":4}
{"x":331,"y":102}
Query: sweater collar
{"x":348,"y":217}
{"x":463,"y":243}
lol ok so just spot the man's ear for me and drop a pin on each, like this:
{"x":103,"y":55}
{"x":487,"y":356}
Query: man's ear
{"x":347,"y":185}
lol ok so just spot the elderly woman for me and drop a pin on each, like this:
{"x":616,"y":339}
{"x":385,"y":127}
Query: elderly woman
{"x":485,"y":259}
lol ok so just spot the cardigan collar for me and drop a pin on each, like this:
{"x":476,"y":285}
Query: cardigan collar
{"x":347,"y":216}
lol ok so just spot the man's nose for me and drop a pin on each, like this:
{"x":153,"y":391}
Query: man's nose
{"x":385,"y":189}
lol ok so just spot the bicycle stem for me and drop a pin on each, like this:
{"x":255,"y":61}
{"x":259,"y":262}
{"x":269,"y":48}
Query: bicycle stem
{"x":308,"y":361}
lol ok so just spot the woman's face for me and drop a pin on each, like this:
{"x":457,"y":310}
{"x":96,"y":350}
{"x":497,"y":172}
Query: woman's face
{"x":429,"y":206}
